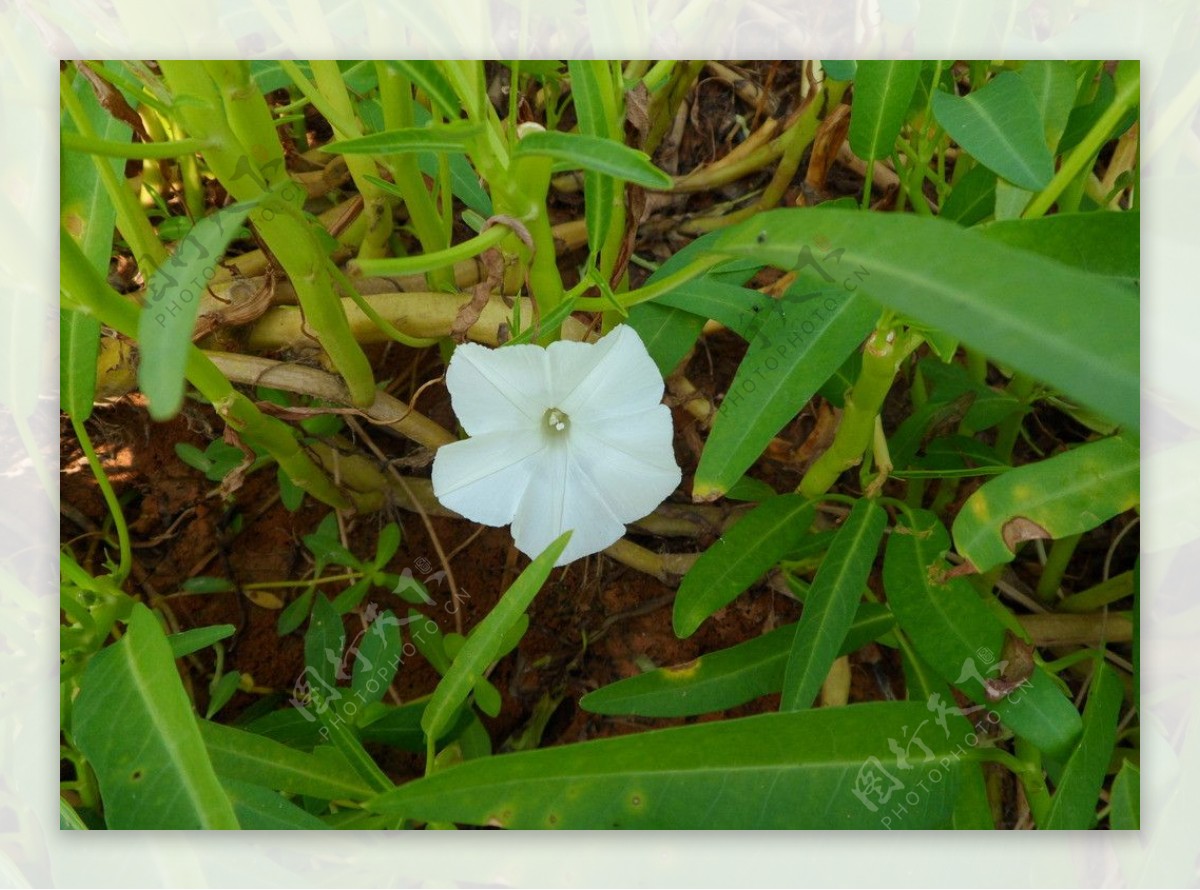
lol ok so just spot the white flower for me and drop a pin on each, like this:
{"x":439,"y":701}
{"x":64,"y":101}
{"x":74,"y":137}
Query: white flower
{"x":573,"y":436}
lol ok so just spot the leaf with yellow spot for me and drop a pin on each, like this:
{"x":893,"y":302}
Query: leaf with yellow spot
{"x":1064,"y":495}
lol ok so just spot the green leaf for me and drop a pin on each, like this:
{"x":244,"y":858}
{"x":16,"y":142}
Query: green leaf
{"x":89,"y":216}
{"x":400,"y":726}
{"x":1072,"y":492}
{"x":387,"y":545}
{"x":595,"y":153}
{"x":377,"y":659}
{"x":797,"y":349}
{"x":427,"y":75}
{"x":739,"y":558}
{"x":198,"y":638}
{"x":726,"y":678}
{"x":250,"y":757}
{"x":595,"y":118}
{"x":260,"y":809}
{"x":750,"y":489}
{"x":295,"y":613}
{"x":154,"y":772}
{"x":68,"y":819}
{"x":168,"y":315}
{"x":207,"y":584}
{"x":669,"y":333}
{"x":221,"y":692}
{"x":972,"y":198}
{"x":1073,"y":805}
{"x":1125,"y":801}
{"x":1000,"y":126}
{"x":324,"y":642}
{"x":882,"y":93}
{"x":1052,"y":83}
{"x":1083,"y":341}
{"x":840,"y":69}
{"x":1086,"y":116}
{"x":972,"y":810}
{"x":830,"y":604}
{"x":291,"y":495}
{"x":811,"y":769}
{"x":740,"y":309}
{"x":1103,"y":243}
{"x":961,"y":637}
{"x":451,"y":137}
{"x":485,"y":641}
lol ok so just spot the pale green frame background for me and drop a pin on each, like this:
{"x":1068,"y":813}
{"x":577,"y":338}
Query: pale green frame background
{"x":34,"y":34}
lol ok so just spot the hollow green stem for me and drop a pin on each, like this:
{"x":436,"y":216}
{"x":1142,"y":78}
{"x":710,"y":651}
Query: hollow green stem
{"x":694,"y":269}
{"x":1029,"y":771}
{"x":1103,"y":594}
{"x":883,"y":354}
{"x":144,"y":150}
{"x":288,"y":234}
{"x":249,"y":118}
{"x":1056,"y":564}
{"x":1083,"y":154}
{"x":110,"y":498}
{"x":1021,"y":387}
{"x":377,"y":206}
{"x":415,"y":265}
{"x":396,"y":99}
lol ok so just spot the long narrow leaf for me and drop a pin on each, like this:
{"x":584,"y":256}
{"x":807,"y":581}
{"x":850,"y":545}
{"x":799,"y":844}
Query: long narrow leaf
{"x":1077,"y":794}
{"x":739,"y":558}
{"x":484,"y":644}
{"x":726,"y":678}
{"x":1064,"y":495}
{"x":882,"y":93}
{"x":830,"y":604}
{"x":248,"y":757}
{"x":168,"y":316}
{"x":825,"y":768}
{"x":89,"y":216}
{"x":452,"y":137}
{"x":154,"y":772}
{"x":1074,"y":331}
{"x":594,"y":153}
{"x":962,"y":638}
{"x":796,"y":350}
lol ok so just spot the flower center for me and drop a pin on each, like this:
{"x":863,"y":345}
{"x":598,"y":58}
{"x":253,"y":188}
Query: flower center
{"x":557,"y":421}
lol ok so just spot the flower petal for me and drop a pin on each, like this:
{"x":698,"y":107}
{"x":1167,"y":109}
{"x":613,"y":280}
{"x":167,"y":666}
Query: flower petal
{"x":484,"y":478}
{"x":498,"y":389}
{"x":611,"y":377}
{"x":630,"y":462}
{"x":562,"y":497}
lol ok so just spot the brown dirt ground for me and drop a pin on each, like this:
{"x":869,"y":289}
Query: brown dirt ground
{"x":182,"y":529}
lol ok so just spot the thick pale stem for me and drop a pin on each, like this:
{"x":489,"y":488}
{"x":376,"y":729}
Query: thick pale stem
{"x":882,"y":356}
{"x":277,"y":219}
{"x":82,"y":284}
